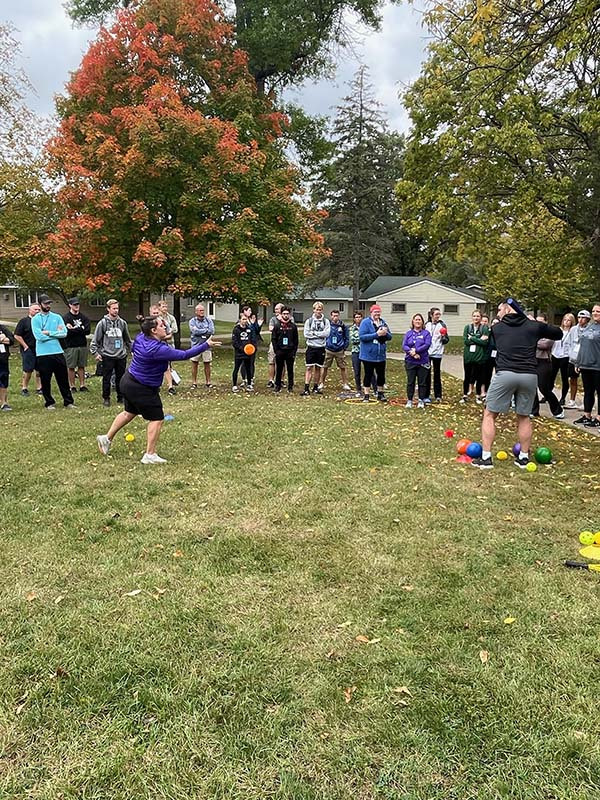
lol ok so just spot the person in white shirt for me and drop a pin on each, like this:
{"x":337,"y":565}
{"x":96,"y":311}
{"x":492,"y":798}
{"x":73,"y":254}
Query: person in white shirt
{"x":439,"y":337}
{"x":560,"y":361}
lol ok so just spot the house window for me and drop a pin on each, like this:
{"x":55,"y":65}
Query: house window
{"x":450,"y":308}
{"x":362,"y":305}
{"x":298,"y":316}
{"x":398,"y":308}
{"x":211,"y":308}
{"x":25,"y":299}
{"x":96,"y":302}
{"x":190,"y":302}
{"x":342,"y":306}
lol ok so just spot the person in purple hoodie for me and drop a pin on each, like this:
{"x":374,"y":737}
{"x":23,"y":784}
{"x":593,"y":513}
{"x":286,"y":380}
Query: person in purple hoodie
{"x":416,"y":344}
{"x":141,"y":383}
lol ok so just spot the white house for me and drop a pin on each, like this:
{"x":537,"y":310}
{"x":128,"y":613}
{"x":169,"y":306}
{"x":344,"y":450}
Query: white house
{"x":400,"y":297}
{"x":338,"y":298}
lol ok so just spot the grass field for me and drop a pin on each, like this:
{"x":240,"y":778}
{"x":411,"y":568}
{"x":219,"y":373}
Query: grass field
{"x":311,"y":601}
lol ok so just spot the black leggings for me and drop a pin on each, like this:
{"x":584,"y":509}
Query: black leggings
{"x":545,"y":385}
{"x":562,"y":365}
{"x":241,"y":359}
{"x":377,"y":367}
{"x":436,"y":369}
{"x":416,"y":373}
{"x":591,"y":389}
{"x":473,"y":375}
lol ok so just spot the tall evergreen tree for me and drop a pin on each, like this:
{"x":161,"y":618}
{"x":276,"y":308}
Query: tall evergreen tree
{"x":357,"y":190}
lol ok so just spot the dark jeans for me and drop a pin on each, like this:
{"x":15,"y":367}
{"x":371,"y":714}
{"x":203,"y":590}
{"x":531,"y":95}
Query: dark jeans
{"x":561,"y":365}
{"x":545,"y":385}
{"x":56,"y":365}
{"x":473,"y":376}
{"x":416,"y":374}
{"x":591,"y":389}
{"x":110,"y":365}
{"x":436,"y":369}
{"x":284,"y":359}
{"x":377,"y":368}
{"x":242,"y":360}
{"x":357,"y":368}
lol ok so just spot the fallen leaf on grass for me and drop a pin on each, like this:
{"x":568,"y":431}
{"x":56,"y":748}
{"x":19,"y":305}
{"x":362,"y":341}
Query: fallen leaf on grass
{"x":133,"y":593}
{"x":403,"y":690}
{"x":178,"y":554}
{"x":60,"y":672}
{"x":21,"y":702}
{"x":362,"y":638}
{"x":138,"y":515}
{"x":408,"y":587}
{"x":30,"y":596}
{"x":59,"y":599}
{"x":484,"y":656}
{"x":509,"y":620}
{"x":348,"y":692}
{"x":345,"y":624}
{"x":373,"y":641}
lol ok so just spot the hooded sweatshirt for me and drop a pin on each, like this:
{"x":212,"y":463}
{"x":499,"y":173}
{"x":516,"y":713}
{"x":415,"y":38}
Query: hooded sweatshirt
{"x":151,"y":358}
{"x":316,"y":331}
{"x":372,"y":346}
{"x":589,"y":347}
{"x":516,"y":341}
{"x":111,"y":338}
{"x":241,"y":336}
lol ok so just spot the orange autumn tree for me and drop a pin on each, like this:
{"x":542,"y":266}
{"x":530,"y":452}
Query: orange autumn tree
{"x":173,"y":174}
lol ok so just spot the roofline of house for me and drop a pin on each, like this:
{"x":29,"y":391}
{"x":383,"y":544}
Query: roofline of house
{"x":433,"y":283}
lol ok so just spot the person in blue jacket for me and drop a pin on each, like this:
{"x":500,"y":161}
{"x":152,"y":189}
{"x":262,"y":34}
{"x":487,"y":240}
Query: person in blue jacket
{"x":416,"y":344}
{"x":374,"y":335}
{"x":141,"y":383}
{"x":335,"y":348}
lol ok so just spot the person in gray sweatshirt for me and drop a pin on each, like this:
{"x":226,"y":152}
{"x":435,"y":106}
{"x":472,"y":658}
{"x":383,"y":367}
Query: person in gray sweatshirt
{"x":316,"y":331}
{"x":110,"y":345}
{"x":588,"y":364}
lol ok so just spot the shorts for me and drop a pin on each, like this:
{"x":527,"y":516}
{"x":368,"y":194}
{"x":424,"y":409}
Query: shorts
{"x":206,"y":357}
{"x":506,"y":384}
{"x":271,"y":354}
{"x":314,"y":356}
{"x":141,"y":399}
{"x":28,"y":359}
{"x":338,"y":356}
{"x":76,"y":357}
{"x":572,"y":374}
{"x":4,"y":376}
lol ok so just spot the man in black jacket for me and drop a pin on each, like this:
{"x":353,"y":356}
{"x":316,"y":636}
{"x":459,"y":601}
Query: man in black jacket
{"x":516,"y":338}
{"x":284,"y":338}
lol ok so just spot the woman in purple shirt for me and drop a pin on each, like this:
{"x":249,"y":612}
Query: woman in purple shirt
{"x":141,"y":383}
{"x":416,"y":344}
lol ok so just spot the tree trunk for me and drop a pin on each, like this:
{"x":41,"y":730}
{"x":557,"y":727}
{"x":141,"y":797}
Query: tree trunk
{"x":177,"y":315}
{"x":141,"y":304}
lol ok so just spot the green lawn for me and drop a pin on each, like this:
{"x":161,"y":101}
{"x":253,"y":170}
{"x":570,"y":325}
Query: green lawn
{"x":297,"y":606}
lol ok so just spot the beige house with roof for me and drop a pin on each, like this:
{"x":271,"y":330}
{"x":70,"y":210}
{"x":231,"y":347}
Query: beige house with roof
{"x":400,"y":297}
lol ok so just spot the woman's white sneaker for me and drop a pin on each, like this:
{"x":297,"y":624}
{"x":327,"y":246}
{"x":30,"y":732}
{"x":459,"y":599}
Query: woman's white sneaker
{"x":153,"y":458}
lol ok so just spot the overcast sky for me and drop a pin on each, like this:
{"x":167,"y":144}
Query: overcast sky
{"x":51,"y":48}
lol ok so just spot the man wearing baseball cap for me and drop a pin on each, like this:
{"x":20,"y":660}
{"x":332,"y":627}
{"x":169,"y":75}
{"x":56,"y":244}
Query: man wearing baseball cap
{"x":76,"y":349}
{"x":49,"y":329}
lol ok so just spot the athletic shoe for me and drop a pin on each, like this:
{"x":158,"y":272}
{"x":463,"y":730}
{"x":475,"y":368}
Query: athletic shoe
{"x":591,"y":423}
{"x":153,"y":458}
{"x":50,"y":408}
{"x":358,"y":394}
{"x":438,"y":399}
{"x":570,"y":404}
{"x":365,"y":398}
{"x":317,"y":390}
{"x":249,"y":387}
{"x":172,"y":390}
{"x":479,"y":400}
{"x":235,"y":389}
{"x":482,"y":463}
{"x":381,"y":397}
{"x":104,"y":444}
{"x":209,"y":386}
{"x":73,"y":389}
{"x":521,"y":462}
{"x":408,"y":404}
{"x":194,"y":386}
{"x":106,"y":403}
{"x":559,"y":416}
{"x":277,"y":390}
{"x":321,"y":386}
{"x":290,"y":391}
{"x":70,"y":406}
{"x":5,"y":407}
{"x":421,"y":404}
{"x":270,"y":384}
{"x":305,"y":393}
{"x":83,"y":389}
{"x":427,"y":401}
{"x":25,"y":392}
{"x":463,"y":399}
{"x":581,"y":421}
{"x":39,"y":391}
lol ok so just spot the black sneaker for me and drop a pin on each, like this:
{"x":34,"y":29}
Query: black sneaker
{"x":305,"y":393}
{"x":581,"y":421}
{"x":591,"y":423}
{"x":172,"y":390}
{"x":25,"y":392}
{"x":482,"y":463}
{"x":365,"y":398}
{"x":73,"y":389}
{"x":316,"y":390}
{"x":270,"y":384}
{"x":83,"y":389}
{"x":106,"y":402}
{"x":381,"y":397}
{"x":521,"y":462}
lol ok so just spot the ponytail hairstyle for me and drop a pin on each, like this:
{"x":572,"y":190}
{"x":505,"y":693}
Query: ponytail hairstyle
{"x":148,"y":325}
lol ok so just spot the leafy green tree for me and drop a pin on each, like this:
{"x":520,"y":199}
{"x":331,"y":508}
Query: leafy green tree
{"x":356,"y":188}
{"x":171,"y":168}
{"x":506,"y":118}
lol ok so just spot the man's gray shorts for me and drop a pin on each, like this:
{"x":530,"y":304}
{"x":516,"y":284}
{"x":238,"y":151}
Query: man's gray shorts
{"x":504,"y":385}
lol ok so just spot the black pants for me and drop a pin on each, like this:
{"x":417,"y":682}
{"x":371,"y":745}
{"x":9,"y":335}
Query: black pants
{"x":56,"y":365}
{"x":545,"y":385}
{"x":243,"y":369}
{"x":284,"y":359}
{"x":377,"y":367}
{"x":357,"y":369}
{"x":242,"y":360}
{"x":436,"y":369}
{"x":415,"y":373}
{"x":487,"y":372}
{"x":561,"y":365}
{"x":591,"y":389}
{"x":110,"y":365}
{"x":473,"y":375}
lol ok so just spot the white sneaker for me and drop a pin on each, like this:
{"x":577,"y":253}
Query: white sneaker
{"x":235,"y":389}
{"x":408,"y":404}
{"x":320,"y":387}
{"x":153,"y":458}
{"x":570,"y":404}
{"x":104,"y":444}
{"x":420,"y":404}
{"x":50,"y":408}
{"x":346,"y":388}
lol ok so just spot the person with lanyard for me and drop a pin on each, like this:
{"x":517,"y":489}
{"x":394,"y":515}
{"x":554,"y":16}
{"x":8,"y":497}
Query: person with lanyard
{"x":201,"y":329}
{"x":285,"y":343}
{"x":24,"y":336}
{"x":416,"y":344}
{"x":49,"y":329}
{"x":374,"y":335}
{"x":140,"y":385}
{"x":588,"y":364}
{"x":172,"y":331}
{"x":475,"y":353}
{"x":516,"y":338}
{"x":439,"y":338}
